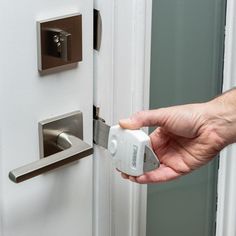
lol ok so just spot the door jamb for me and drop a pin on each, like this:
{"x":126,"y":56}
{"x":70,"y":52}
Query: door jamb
{"x":121,"y":79}
{"x":226,"y":205}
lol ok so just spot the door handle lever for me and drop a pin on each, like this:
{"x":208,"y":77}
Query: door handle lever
{"x":74,"y":149}
{"x":60,"y":144}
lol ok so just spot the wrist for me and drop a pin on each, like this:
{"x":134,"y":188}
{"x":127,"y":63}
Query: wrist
{"x":222,"y":115}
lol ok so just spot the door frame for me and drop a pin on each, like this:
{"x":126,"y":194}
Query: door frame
{"x":121,"y":81}
{"x":110,"y":191}
{"x":226,"y":214}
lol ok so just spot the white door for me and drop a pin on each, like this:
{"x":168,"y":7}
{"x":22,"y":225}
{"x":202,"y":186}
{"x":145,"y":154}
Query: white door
{"x":78,"y":199}
{"x":59,"y":202}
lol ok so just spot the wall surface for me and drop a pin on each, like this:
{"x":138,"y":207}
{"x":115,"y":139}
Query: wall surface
{"x":187,"y":66}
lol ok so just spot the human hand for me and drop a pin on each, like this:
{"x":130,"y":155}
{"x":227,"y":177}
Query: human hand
{"x":187,"y":138}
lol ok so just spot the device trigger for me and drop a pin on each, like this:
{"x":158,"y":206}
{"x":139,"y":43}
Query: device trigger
{"x":151,"y":161}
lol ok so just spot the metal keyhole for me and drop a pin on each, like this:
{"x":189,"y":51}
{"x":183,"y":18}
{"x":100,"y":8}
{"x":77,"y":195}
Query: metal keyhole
{"x":57,"y":41}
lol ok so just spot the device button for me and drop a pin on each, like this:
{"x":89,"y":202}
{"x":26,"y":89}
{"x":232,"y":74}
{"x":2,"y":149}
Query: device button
{"x":113,"y":147}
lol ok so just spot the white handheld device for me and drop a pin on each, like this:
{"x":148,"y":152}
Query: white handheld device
{"x":130,"y":150}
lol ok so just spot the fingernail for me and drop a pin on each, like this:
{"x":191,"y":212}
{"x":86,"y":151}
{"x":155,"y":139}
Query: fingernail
{"x":133,"y":179}
{"x":124,"y":176}
{"x":125,"y":123}
{"x":127,"y":120}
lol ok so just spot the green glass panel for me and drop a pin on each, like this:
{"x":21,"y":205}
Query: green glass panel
{"x":187,"y":66}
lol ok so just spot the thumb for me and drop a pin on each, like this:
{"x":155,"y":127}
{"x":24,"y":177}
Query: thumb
{"x":144,"y":118}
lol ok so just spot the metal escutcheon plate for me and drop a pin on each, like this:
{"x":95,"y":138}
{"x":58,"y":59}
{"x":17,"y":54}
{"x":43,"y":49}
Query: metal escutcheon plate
{"x":50,"y":129}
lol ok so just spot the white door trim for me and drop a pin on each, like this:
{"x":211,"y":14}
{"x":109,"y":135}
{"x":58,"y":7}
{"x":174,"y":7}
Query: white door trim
{"x":226,"y":210}
{"x":122,"y":73}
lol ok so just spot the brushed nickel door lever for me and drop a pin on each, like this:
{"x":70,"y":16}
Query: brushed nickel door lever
{"x":61,"y":142}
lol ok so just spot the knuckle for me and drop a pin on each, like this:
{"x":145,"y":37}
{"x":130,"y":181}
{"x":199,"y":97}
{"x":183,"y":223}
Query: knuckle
{"x":138,"y":117}
{"x":182,"y":168}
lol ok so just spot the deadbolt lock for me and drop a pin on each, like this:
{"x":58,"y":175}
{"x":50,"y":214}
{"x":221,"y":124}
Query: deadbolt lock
{"x":59,"y":41}
{"x":58,"y":44}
